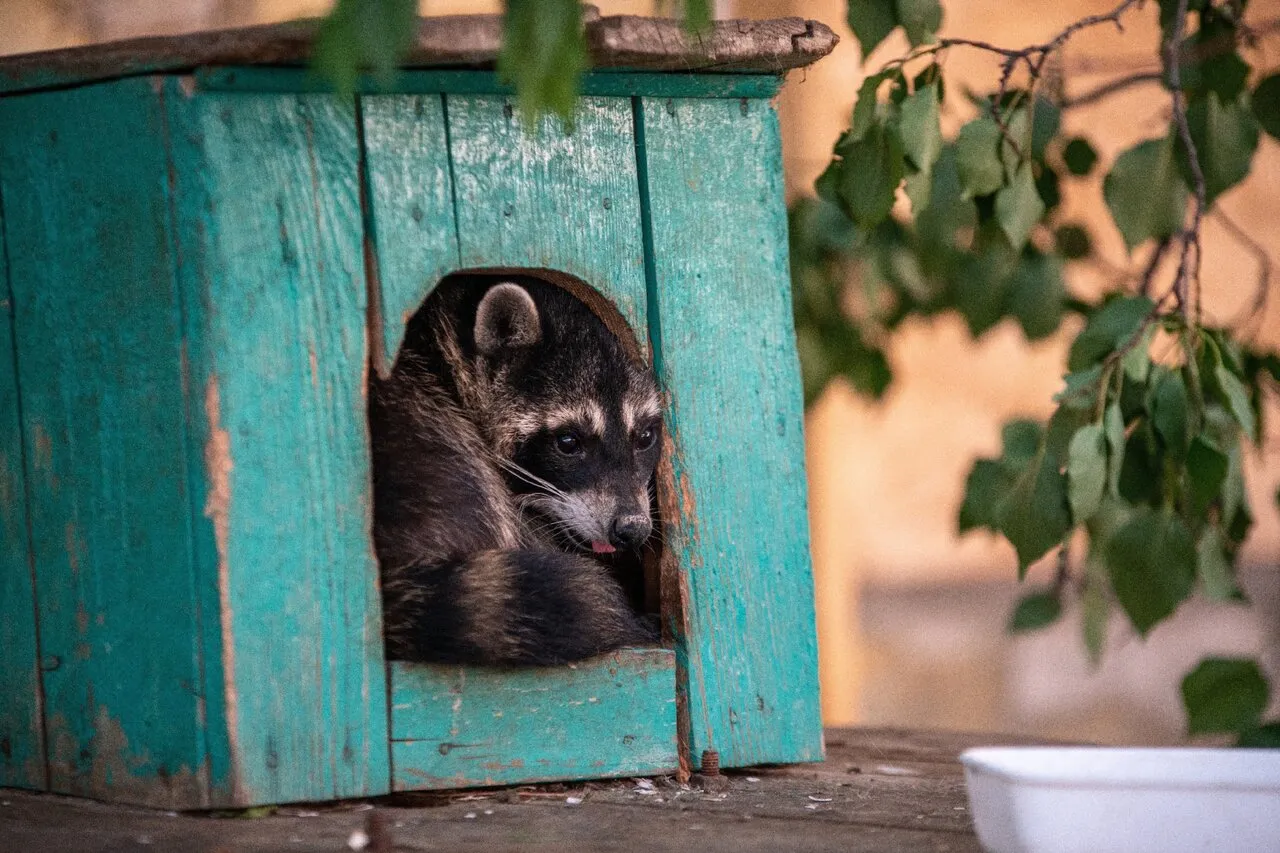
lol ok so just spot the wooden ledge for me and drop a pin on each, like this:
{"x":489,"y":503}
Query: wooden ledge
{"x":455,"y":41}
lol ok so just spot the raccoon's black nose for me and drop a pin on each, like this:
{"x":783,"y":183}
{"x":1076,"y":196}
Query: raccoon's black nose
{"x":629,"y":531}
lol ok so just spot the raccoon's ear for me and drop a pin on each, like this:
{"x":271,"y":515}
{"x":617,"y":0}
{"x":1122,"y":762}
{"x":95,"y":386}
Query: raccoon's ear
{"x":506,"y":319}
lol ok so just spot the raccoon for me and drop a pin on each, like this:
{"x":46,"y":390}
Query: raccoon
{"x":514,"y":449}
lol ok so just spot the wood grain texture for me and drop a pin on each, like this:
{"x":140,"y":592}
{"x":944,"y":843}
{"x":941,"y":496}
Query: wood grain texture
{"x":99,"y":352}
{"x":455,"y":727}
{"x":736,"y":522}
{"x":412,"y":82}
{"x":410,"y":216}
{"x":268,"y":212}
{"x":21,"y":694}
{"x":622,"y":41}
{"x":551,"y":200}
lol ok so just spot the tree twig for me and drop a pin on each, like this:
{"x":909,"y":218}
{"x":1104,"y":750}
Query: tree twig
{"x":1149,"y":272}
{"x":1033,"y":57}
{"x":1188,"y":274}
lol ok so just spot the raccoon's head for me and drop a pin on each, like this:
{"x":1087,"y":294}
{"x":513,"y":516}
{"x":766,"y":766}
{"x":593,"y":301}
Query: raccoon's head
{"x":574,"y":419}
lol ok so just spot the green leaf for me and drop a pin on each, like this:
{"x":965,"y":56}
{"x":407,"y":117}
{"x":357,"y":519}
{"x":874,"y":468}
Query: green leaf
{"x":1047,"y":186}
{"x":870,"y":173}
{"x":1224,"y":695}
{"x":1266,"y":105}
{"x":1045,"y":122}
{"x":921,"y":137}
{"x":871,"y":22}
{"x":981,"y":282}
{"x":978,"y":158}
{"x":364,"y":34}
{"x":920,"y":19}
{"x":1079,"y":156}
{"x":1086,"y":471}
{"x":1237,"y":400}
{"x":697,"y":15}
{"x":1225,"y":136}
{"x":1206,"y":472}
{"x":987,"y":483}
{"x":1145,"y":192}
{"x":1081,"y":389}
{"x":1035,"y":294}
{"x":544,"y":54}
{"x":1263,"y":737}
{"x":864,"y":108}
{"x":1113,"y":426}
{"x":1214,"y":568}
{"x":1109,"y":328}
{"x":1036,"y":610}
{"x":1169,"y":413}
{"x":1136,"y":363}
{"x":1020,"y":442}
{"x":1153,"y":563}
{"x":1097,"y":608}
{"x":1034,"y":515}
{"x":1073,"y":241}
{"x":1018,"y":207}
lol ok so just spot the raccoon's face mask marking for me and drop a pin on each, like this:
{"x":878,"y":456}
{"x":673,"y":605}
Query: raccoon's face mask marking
{"x":581,"y":434}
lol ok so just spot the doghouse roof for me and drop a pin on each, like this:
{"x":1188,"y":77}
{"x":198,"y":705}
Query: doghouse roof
{"x":456,"y":41}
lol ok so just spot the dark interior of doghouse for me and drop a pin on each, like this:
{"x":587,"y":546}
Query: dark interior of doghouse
{"x":638,"y":572}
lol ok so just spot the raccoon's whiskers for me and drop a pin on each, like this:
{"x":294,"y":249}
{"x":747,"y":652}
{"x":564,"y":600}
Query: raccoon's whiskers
{"x":528,"y":476}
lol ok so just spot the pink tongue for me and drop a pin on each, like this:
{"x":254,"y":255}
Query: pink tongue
{"x":602,"y":547}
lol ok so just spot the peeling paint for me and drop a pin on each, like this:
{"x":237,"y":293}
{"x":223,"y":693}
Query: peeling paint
{"x":42,"y":457}
{"x":218,"y":467}
{"x":106,"y":767}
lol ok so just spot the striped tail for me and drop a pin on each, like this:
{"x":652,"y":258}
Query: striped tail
{"x":525,"y":607}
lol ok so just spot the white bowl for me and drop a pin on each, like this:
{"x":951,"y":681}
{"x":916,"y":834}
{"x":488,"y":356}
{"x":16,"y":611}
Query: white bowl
{"x":1121,"y":800}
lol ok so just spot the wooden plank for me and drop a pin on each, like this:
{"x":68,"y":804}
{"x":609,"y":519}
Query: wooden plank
{"x":410,"y":215}
{"x":552,"y":200}
{"x":603,"y":82}
{"x":99,"y":346}
{"x":21,"y":693}
{"x":735,"y":510}
{"x":457,"y":727}
{"x":268,"y":209}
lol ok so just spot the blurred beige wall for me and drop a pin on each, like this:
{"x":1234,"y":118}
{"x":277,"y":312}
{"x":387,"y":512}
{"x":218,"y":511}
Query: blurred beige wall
{"x":886,"y":479}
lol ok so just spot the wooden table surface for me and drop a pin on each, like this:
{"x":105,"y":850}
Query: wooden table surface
{"x":883,"y":790}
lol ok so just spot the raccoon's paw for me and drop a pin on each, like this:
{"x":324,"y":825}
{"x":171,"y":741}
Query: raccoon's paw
{"x":526,"y":607}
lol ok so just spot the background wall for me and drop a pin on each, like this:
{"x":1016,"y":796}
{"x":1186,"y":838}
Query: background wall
{"x":910,"y":614}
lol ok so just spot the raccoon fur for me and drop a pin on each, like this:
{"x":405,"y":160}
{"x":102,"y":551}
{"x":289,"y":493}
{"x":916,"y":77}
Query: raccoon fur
{"x":514,"y":444}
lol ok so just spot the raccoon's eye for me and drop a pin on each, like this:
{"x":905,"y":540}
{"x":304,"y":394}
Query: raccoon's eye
{"x":568,"y":443}
{"x":645,"y":438}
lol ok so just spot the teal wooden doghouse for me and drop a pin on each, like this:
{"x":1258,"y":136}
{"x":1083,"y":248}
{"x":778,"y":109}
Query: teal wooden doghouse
{"x":203,"y":256}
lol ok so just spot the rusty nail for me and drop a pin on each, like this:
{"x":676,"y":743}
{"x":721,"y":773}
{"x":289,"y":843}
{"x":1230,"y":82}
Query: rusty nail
{"x":710,"y":762}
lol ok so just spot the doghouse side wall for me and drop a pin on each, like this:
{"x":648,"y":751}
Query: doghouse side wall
{"x":21,"y":727}
{"x":96,"y":321}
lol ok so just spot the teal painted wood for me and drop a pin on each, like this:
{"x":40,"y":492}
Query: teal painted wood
{"x":736,"y":518}
{"x":410,"y":217}
{"x":270,"y":261}
{"x":456,"y":727}
{"x":551,"y":200}
{"x":604,"y":82}
{"x":21,"y":694}
{"x":568,"y":203}
{"x":99,"y":352}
